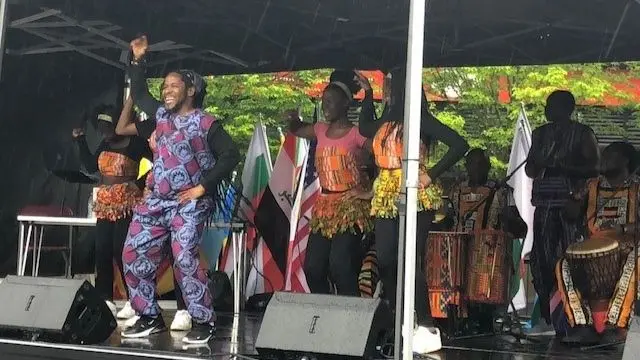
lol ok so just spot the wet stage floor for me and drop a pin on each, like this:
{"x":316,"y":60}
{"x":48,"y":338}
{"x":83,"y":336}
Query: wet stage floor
{"x":236,"y":338}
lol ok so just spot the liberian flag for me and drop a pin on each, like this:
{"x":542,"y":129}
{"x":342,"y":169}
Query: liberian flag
{"x":273,"y":219}
{"x":308,"y":192}
{"x":255,"y":177}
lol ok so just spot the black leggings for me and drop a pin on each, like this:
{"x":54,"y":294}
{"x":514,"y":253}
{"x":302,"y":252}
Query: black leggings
{"x":339,"y":258}
{"x":110,"y":237}
{"x":387,"y":252}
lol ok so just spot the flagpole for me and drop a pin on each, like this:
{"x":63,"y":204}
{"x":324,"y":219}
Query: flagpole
{"x":413,"y":112}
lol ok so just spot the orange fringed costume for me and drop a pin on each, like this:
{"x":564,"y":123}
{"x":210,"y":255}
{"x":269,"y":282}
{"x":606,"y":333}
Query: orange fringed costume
{"x":116,"y":201}
{"x":338,"y":165}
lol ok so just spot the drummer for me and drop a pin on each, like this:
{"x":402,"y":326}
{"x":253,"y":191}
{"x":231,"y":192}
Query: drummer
{"x":618,"y":186}
{"x":478,"y":204}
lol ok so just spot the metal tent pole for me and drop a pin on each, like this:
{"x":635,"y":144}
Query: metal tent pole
{"x":413,"y":112}
{"x":4,"y":9}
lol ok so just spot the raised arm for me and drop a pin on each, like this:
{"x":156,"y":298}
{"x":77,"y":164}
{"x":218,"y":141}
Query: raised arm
{"x":299,"y":128}
{"x":126,"y":126}
{"x":458,"y":146}
{"x":368,"y":123}
{"x":136,"y":71}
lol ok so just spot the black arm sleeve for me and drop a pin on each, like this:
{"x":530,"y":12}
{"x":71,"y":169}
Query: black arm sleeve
{"x":458,"y":147}
{"x":89,"y":160}
{"x":140,"y":91}
{"x":146,"y":128}
{"x":367,"y":121}
{"x":227,"y":157}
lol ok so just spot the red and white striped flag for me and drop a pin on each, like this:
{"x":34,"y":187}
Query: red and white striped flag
{"x":306,"y":196}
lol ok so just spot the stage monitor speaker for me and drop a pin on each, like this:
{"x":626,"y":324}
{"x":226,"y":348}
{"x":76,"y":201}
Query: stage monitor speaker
{"x":632,"y":344}
{"x":327,"y":325}
{"x":59,"y":310}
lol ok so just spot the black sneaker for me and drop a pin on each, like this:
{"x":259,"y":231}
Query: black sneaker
{"x":200,"y":334}
{"x":144,"y":327}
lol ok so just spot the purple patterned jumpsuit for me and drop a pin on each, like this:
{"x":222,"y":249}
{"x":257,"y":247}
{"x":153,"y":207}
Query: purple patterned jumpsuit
{"x":183,"y":156}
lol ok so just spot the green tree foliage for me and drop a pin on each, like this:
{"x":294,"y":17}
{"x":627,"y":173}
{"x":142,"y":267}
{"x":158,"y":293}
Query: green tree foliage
{"x":241,"y":100}
{"x":489,"y":124}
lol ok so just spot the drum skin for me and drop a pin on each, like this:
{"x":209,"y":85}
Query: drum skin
{"x":595,"y":266}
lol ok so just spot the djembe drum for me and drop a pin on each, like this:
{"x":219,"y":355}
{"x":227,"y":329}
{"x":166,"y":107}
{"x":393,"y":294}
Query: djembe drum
{"x":488,"y":268}
{"x":595,"y":267}
{"x":445,"y":267}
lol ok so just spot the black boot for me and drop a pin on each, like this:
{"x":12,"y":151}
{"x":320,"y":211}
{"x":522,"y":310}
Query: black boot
{"x":581,"y":335}
{"x":613,"y":335}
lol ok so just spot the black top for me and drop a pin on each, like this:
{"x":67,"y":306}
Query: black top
{"x":136,"y":150}
{"x":220,"y":143}
{"x":430,"y":128}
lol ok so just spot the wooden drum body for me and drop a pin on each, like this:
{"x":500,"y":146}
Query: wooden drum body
{"x":488,"y":268}
{"x":595,"y":267}
{"x":445,"y":267}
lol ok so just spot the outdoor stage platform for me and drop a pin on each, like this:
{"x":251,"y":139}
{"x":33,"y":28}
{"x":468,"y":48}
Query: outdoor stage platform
{"x":236,"y":337}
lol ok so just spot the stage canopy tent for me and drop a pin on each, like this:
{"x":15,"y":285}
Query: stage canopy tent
{"x":246,"y":36}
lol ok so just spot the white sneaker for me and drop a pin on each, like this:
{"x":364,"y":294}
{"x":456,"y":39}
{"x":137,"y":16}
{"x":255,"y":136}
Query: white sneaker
{"x":182,"y":321}
{"x":127,"y":312}
{"x":132,"y":321}
{"x":426,"y":340}
{"x":112,"y":307}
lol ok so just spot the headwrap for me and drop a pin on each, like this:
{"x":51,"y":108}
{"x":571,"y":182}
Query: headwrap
{"x":193,"y":79}
{"x":105,"y":117}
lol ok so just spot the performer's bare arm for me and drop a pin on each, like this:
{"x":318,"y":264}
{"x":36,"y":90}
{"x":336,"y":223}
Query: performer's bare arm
{"x":125,"y":125}
{"x":299,"y":128}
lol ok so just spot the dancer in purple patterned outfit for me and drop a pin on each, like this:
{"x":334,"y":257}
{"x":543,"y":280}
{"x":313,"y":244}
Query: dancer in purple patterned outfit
{"x":194,"y":154}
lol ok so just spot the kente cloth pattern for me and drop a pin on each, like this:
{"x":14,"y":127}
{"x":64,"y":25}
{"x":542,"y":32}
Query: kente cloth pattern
{"x":614,"y":206}
{"x":114,"y":202}
{"x":466,"y":198}
{"x":369,"y":276}
{"x":334,"y":212}
{"x":339,"y":170}
{"x":576,"y":307}
{"x":181,"y":160}
{"x":489,"y":268}
{"x":445,"y":269}
{"x":388,"y":148}
{"x":387,"y":191}
{"x":115,"y":164}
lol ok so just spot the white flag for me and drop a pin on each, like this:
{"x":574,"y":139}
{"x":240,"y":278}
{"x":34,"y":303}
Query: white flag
{"x":522,"y":186}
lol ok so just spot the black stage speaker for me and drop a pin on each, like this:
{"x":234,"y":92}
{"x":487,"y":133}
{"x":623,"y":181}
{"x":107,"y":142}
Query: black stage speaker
{"x":632,"y":345}
{"x":59,"y":310}
{"x":314,"y":324}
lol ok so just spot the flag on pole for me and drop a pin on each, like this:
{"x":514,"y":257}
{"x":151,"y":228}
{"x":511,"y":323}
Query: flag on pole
{"x":521,"y":185}
{"x":255,"y":177}
{"x":273,"y":219}
{"x":308,"y":192}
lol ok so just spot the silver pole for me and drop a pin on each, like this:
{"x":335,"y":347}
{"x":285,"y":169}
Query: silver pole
{"x":4,"y":9}
{"x":413,"y":112}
